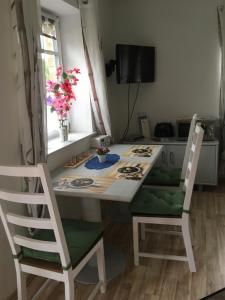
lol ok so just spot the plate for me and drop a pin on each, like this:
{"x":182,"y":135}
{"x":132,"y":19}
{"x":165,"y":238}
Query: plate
{"x":142,"y":150}
{"x":129,"y":170}
{"x":81,"y":182}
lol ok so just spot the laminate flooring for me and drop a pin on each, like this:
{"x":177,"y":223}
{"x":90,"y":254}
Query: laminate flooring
{"x":158,"y":279}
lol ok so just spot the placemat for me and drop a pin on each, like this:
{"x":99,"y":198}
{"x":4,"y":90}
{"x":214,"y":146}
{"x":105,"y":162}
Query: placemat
{"x":94,"y":163}
{"x":140,"y":151}
{"x":129,"y":170}
{"x":90,"y":184}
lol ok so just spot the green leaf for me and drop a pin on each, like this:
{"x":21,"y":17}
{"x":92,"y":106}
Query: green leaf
{"x":52,"y":109}
{"x":64,"y":75}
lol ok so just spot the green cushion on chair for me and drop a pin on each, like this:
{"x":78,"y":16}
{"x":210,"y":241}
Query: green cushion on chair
{"x":80,"y":236}
{"x":157,"y":202}
{"x":163,"y":177}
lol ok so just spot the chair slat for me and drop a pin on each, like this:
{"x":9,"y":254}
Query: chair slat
{"x":36,"y":244}
{"x":193,"y":147}
{"x":39,"y":223}
{"x":186,"y":182}
{"x":24,"y":198}
{"x":19,"y":171}
{"x":189,"y":165}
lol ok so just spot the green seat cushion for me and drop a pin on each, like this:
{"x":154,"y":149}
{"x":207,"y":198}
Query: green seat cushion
{"x":80,"y":236}
{"x":163,"y":177}
{"x":157,"y":202}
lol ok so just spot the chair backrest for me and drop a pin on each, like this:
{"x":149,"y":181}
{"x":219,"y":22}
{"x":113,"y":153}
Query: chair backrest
{"x":192,"y":165}
{"x":188,"y":146}
{"x":11,"y":221}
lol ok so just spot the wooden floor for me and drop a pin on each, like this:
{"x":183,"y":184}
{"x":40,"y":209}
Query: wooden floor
{"x":160,"y":279}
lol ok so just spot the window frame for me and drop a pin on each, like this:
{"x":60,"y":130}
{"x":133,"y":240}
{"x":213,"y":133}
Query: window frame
{"x":58,"y":54}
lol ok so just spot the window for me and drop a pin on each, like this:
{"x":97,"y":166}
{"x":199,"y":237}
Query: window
{"x":51,"y":57}
{"x":62,"y":44}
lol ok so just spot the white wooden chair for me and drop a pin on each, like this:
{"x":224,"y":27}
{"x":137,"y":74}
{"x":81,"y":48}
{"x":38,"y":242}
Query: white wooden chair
{"x":59,"y":249}
{"x":168,"y":208}
{"x":171,"y":177}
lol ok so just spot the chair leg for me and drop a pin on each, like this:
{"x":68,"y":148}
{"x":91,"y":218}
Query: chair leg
{"x":101,"y":267}
{"x":135,"y":242}
{"x":21,"y":282}
{"x":69,"y":285}
{"x":143,"y":233}
{"x":191,"y":233}
{"x":188,"y":245}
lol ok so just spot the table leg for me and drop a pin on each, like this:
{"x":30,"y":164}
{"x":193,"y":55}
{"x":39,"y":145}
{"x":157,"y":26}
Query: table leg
{"x":114,"y":258}
{"x":91,"y":209}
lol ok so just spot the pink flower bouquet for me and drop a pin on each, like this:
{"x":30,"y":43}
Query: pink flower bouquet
{"x":60,"y":95}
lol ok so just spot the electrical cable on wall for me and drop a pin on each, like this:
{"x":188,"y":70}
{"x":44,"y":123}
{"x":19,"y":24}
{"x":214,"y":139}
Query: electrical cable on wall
{"x":130,"y":115}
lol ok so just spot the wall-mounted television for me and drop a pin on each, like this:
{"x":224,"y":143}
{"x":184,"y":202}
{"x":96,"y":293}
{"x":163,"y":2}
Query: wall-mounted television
{"x":135,"y":63}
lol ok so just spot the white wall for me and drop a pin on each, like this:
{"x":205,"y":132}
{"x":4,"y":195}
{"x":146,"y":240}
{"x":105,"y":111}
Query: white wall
{"x":187,"y":57}
{"x":9,"y":149}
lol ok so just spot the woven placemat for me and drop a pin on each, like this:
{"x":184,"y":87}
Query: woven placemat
{"x":140,"y":151}
{"x":99,"y":184}
{"x":143,"y":166}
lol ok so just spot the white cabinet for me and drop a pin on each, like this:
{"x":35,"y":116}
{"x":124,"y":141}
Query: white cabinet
{"x":172,"y":156}
{"x":207,"y":172}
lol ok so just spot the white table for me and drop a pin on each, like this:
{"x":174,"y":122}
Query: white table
{"x":122,"y":190}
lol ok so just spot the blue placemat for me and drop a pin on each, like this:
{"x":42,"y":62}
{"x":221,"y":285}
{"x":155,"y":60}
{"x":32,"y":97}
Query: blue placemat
{"x":94,"y":163}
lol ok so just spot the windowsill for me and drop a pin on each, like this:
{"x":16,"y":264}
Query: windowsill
{"x":55,"y":144}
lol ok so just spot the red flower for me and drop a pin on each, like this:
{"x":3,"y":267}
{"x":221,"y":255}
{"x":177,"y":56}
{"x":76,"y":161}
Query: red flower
{"x":61,"y":92}
{"x":59,"y":71}
{"x":102,"y":150}
{"x":75,"y":79}
{"x":76,"y":70}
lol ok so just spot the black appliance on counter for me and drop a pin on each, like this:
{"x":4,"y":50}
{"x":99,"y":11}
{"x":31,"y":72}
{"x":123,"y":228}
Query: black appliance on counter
{"x":164,"y":130}
{"x":210,"y":126}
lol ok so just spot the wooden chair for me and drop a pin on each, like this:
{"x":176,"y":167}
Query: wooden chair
{"x":160,"y":176}
{"x":168,"y":208}
{"x":60,"y":248}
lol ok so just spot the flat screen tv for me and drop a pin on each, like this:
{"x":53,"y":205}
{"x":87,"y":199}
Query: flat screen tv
{"x":135,"y":63}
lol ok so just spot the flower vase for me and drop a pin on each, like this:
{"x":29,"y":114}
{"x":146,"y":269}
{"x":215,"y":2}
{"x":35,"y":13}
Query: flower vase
{"x":102,"y":158}
{"x":63,"y":133}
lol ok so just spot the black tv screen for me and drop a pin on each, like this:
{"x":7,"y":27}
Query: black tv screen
{"x":135,"y":63}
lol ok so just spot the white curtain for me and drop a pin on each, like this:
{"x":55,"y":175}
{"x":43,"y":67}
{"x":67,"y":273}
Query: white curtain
{"x":25,"y":27}
{"x":221,"y":34}
{"x":96,"y":65}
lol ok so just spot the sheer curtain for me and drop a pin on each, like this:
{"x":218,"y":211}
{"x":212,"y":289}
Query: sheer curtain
{"x":221,"y":34}
{"x":95,"y":64}
{"x":25,"y":27}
